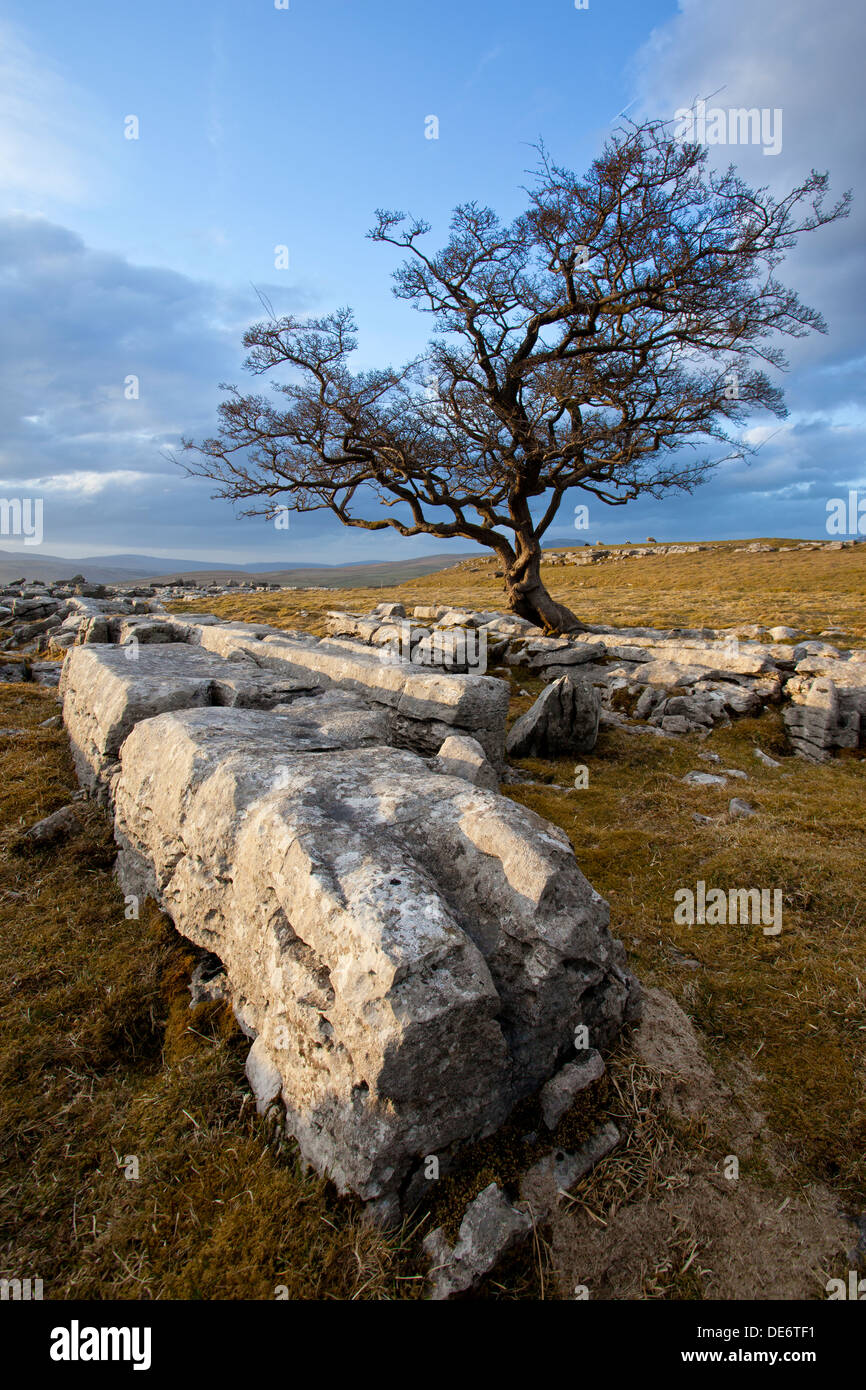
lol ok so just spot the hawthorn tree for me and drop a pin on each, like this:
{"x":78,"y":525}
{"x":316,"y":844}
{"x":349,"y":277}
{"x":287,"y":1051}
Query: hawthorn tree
{"x":621,"y":322}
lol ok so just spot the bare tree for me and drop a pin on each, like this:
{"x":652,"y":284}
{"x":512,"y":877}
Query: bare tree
{"x":619,"y":323}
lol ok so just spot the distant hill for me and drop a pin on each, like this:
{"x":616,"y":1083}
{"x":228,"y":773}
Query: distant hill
{"x":143,"y":569}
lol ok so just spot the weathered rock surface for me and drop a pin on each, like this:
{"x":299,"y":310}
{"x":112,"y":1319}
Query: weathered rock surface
{"x":412,"y":953}
{"x":106,"y":690}
{"x":560,"y":1092}
{"x":564,"y":719}
{"x":473,"y":704}
{"x":560,"y":1171}
{"x":682,"y":681}
{"x":816,"y":721}
{"x":58,"y":826}
{"x":461,"y":756}
{"x":490,"y":1228}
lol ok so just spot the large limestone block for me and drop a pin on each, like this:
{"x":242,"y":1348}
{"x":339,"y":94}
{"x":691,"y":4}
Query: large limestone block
{"x":107,"y":689}
{"x":413,"y":953}
{"x":474,"y":704}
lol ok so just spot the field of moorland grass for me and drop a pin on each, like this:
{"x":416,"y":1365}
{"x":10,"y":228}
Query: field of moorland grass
{"x":102,"y":1057}
{"x":810,"y":590}
{"x":792,"y":1008}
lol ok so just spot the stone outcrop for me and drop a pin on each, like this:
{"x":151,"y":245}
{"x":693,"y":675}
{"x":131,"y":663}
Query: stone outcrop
{"x":106,"y":690}
{"x":670,"y":682}
{"x":425,"y":704}
{"x":816,"y":721}
{"x":409,"y":951}
{"x":412,"y":953}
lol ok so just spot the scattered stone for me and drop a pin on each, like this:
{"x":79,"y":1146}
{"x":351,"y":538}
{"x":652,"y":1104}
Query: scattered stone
{"x":58,"y":826}
{"x":765,"y":758}
{"x":564,"y":719}
{"x":461,"y":756}
{"x":737,"y":808}
{"x":704,"y":779}
{"x":490,"y":1228}
{"x":559,"y":1172}
{"x":560,"y":1092}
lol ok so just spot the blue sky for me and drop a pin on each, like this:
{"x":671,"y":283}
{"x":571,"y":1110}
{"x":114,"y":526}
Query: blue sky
{"x":261,"y":127}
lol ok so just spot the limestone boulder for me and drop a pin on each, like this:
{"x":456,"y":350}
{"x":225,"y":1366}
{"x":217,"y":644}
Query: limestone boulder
{"x":466,"y":703}
{"x":411,"y":953}
{"x":564,"y":719}
{"x":107,"y":690}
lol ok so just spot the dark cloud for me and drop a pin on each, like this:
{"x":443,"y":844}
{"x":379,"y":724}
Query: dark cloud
{"x":77,"y":324}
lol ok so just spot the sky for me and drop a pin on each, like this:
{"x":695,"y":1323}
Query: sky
{"x":261,"y":126}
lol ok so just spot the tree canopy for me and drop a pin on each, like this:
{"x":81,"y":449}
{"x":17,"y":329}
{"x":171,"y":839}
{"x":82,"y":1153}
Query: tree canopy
{"x":610,"y":339}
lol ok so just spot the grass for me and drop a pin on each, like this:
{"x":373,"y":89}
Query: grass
{"x":717,"y":587}
{"x":793,"y":1004}
{"x":102,"y":1058}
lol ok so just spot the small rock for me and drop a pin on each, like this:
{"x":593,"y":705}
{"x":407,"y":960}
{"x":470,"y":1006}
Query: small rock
{"x":58,"y":826}
{"x":737,"y":808}
{"x":559,"y":1172}
{"x":559,"y":1094}
{"x":462,"y":756}
{"x":765,"y":758}
{"x":564,"y":719}
{"x":704,"y":779}
{"x":491,"y":1226}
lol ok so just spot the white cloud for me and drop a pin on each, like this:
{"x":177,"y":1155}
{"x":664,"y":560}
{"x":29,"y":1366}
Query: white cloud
{"x":44,"y":136}
{"x":84,"y":483}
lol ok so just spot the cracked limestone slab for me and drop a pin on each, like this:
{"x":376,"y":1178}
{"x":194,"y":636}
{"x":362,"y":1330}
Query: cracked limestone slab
{"x":412,"y":953}
{"x":471,"y":704}
{"x":107,"y":690}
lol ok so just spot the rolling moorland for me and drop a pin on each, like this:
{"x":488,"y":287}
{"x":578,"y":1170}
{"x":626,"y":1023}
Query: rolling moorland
{"x":103,"y":1058}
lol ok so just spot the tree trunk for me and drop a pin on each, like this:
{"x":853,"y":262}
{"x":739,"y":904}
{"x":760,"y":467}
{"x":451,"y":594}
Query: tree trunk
{"x":528,"y":597}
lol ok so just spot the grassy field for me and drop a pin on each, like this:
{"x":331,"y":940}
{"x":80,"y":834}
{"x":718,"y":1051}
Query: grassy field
{"x":102,"y":1058}
{"x":810,"y":590}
